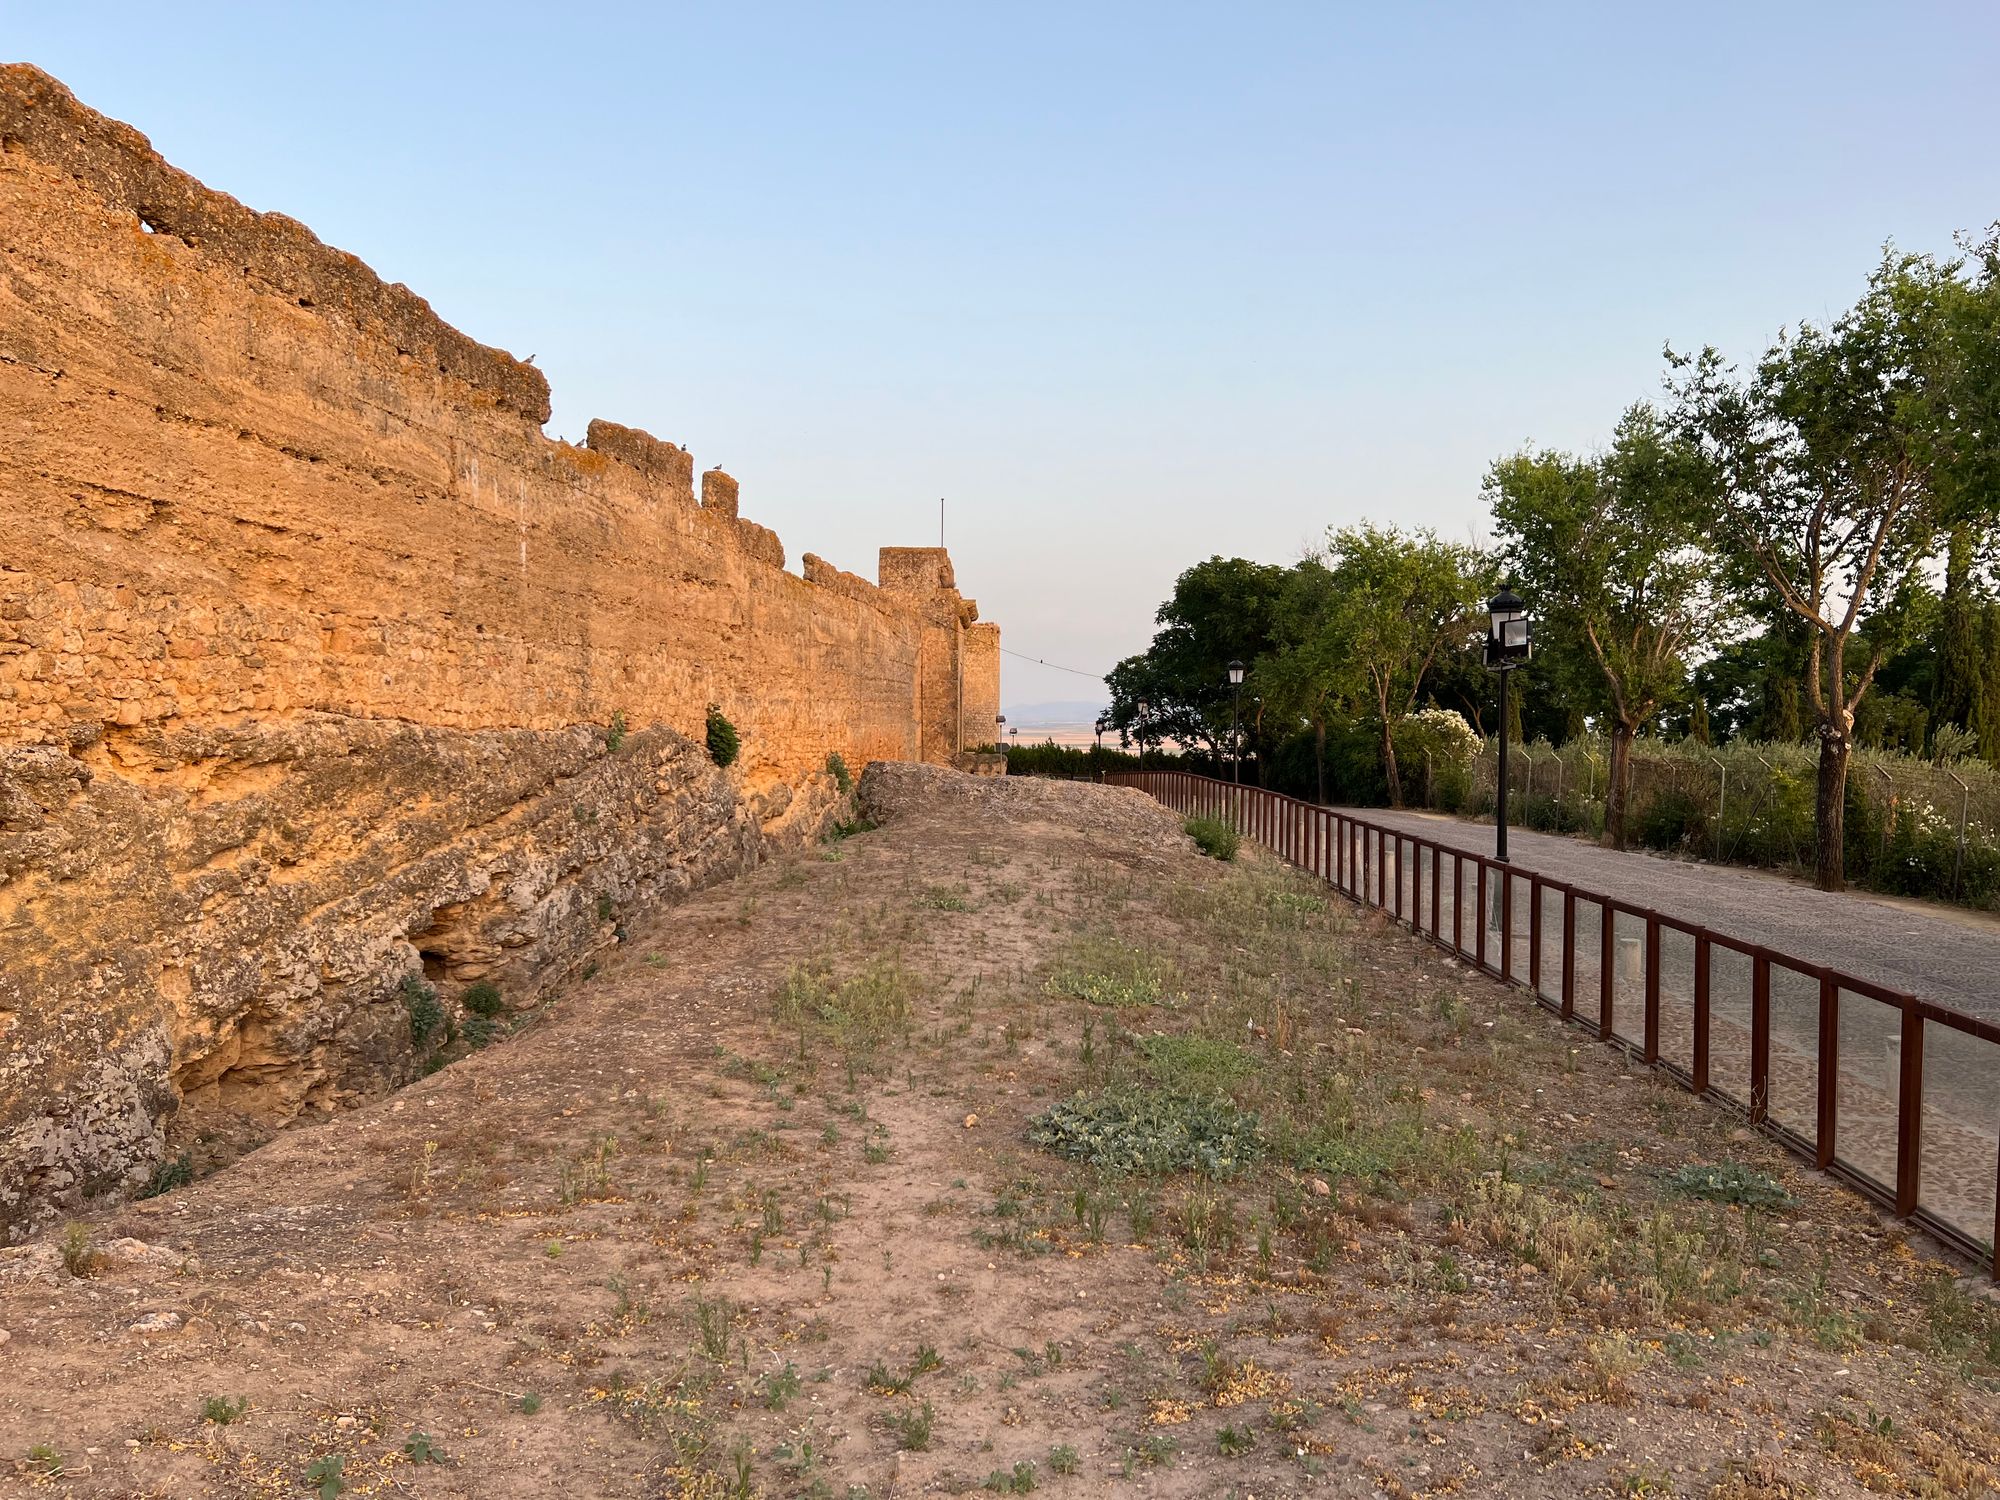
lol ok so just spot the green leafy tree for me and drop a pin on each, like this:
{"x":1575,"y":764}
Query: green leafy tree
{"x":1394,"y":604}
{"x":1841,"y":464}
{"x":1617,"y":559}
{"x":1305,"y":677}
{"x":1957,"y":680}
{"x":1221,"y":611}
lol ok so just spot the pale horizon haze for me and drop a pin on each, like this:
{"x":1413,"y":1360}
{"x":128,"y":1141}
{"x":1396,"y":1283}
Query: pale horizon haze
{"x":1126,"y":285}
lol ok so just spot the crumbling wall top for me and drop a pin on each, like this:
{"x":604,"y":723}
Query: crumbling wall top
{"x":43,"y":119}
{"x":915,"y":570}
{"x":666,"y":466}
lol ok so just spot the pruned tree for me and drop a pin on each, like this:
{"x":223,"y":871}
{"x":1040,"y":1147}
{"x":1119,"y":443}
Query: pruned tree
{"x":1842,"y":462}
{"x":1617,"y":563}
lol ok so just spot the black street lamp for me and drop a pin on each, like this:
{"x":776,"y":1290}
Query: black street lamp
{"x":999,"y":729}
{"x":1510,"y":641}
{"x":1236,"y":719}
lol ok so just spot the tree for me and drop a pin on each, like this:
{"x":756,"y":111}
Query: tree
{"x":1957,"y":677}
{"x":1841,"y":463}
{"x":1613,"y":550}
{"x":1306,"y":675}
{"x":1221,"y":611}
{"x":1391,"y":606}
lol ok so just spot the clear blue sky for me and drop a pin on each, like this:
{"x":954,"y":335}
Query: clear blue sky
{"x":1129,"y":284}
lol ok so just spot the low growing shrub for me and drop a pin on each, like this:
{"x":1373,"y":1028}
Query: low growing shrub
{"x":1196,"y":1064}
{"x":1215,"y":838}
{"x":837,"y":769}
{"x":1132,"y":1129}
{"x":1105,"y":971}
{"x":1730,"y":1182}
{"x":169,"y":1175}
{"x":426,"y":1014}
{"x":483,"y":999}
{"x":724,"y":745}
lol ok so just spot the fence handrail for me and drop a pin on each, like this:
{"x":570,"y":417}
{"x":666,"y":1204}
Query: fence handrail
{"x":1353,"y":854}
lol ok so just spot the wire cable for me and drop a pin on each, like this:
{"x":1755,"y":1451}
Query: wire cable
{"x":1073,"y":671}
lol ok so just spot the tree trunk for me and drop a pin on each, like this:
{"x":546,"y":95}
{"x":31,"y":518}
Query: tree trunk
{"x":1389,"y":763}
{"x":1618,"y":789}
{"x":1319,"y":760}
{"x":1830,"y":863}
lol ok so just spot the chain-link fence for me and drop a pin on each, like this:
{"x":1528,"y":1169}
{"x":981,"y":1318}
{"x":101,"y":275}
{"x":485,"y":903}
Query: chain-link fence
{"x":1913,"y":827}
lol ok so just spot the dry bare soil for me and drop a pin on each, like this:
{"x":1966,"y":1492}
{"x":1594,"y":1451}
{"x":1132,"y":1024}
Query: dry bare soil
{"x":760,"y":1209}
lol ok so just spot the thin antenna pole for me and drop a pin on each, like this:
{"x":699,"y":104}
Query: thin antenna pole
{"x":940,"y":520}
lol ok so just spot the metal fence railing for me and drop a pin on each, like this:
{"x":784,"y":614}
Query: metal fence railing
{"x":1896,"y":1095}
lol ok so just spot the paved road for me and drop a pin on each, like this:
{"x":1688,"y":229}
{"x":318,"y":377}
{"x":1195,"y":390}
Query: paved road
{"x":1951,"y":958}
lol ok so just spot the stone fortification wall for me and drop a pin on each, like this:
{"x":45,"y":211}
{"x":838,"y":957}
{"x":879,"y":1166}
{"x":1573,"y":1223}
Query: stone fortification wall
{"x":325,"y":674}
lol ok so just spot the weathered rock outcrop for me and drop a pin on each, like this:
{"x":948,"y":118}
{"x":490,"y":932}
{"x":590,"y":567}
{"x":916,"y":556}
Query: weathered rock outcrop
{"x":323,"y":669}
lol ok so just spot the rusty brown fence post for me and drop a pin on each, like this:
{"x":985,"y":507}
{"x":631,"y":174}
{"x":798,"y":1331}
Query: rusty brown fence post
{"x":1652,"y":987}
{"x":1479,"y":921}
{"x":1569,"y":956}
{"x":1760,"y":1038}
{"x":1607,"y":969}
{"x":1535,"y":936}
{"x":1826,"y":1122}
{"x":1910,"y":1111}
{"x":1701,"y":1012}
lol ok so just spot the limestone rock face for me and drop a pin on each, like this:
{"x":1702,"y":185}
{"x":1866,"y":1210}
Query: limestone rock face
{"x":224,"y":915}
{"x":324,"y":670}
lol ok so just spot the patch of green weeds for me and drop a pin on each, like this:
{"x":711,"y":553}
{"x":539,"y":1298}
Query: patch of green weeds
{"x":78,"y":1251}
{"x":1105,"y":971}
{"x":1730,"y":1182}
{"x":1019,"y":1480}
{"x":779,"y":1386}
{"x":169,"y":1175}
{"x":913,"y":1428}
{"x":1133,"y":1129}
{"x":420,"y":1000}
{"x":1196,"y":1064}
{"x":1215,"y":838}
{"x":324,"y":1475}
{"x":221,"y":1411}
{"x":483,"y":999}
{"x":422,"y":1448}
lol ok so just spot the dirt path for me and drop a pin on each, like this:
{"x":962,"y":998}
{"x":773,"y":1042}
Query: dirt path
{"x":755,"y":1212}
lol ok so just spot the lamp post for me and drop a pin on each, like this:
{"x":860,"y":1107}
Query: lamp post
{"x":1236,"y":720}
{"x":1509,"y":643}
{"x":1144,"y":709}
{"x":999,"y":730}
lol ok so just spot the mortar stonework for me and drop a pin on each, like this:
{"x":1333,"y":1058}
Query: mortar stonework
{"x":322,"y":668}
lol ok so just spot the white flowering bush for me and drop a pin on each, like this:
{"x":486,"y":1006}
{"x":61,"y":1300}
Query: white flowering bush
{"x":1443,"y":732}
{"x":1435,"y":748}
